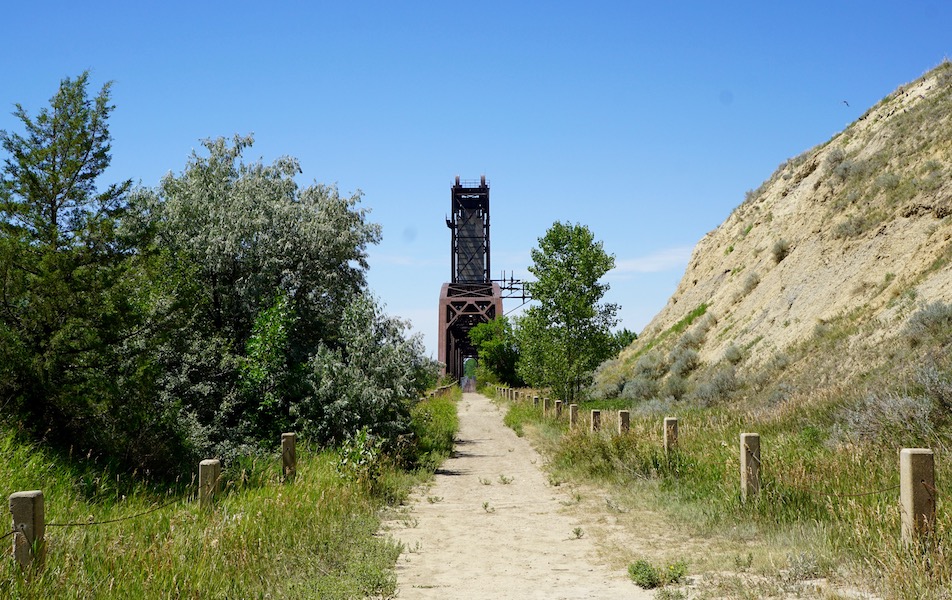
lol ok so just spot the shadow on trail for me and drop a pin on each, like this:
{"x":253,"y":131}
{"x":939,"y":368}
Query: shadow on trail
{"x":464,"y":442}
{"x":451,"y":472}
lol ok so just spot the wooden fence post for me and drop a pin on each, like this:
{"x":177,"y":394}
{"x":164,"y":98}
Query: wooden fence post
{"x":29,"y":526}
{"x":749,"y":466}
{"x":289,"y":455}
{"x":209,"y":479}
{"x":558,"y":408}
{"x":535,"y":401}
{"x":573,"y":415}
{"x":624,"y":422}
{"x":596,"y":419}
{"x":670,"y":434}
{"x":546,"y":406}
{"x":916,"y":492}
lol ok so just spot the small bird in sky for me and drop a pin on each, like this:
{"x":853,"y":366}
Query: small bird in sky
{"x":846,"y":103}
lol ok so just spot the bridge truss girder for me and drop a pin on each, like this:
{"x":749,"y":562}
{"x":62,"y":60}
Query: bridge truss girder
{"x":462,"y":307}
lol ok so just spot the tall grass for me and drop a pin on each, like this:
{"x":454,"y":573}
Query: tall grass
{"x":811,"y":483}
{"x":313,"y":538}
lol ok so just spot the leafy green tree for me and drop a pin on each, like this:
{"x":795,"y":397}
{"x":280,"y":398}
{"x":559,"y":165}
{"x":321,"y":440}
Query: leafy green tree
{"x":281,"y":333}
{"x":567,"y":331}
{"x":250,"y":230}
{"x":71,"y":328}
{"x":624,"y":338}
{"x":495,"y":343}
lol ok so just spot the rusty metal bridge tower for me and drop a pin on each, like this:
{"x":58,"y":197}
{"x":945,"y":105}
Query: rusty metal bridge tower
{"x":470,"y":297}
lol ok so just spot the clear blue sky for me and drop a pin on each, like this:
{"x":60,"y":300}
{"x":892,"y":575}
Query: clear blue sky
{"x":645,"y":121}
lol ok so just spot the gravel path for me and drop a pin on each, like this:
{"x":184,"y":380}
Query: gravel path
{"x":490,"y":525}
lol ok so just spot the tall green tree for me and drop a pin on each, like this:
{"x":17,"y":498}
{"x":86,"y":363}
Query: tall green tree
{"x":567,"y":331}
{"x":70,"y":326}
{"x":498,"y":351}
{"x":281,"y":332}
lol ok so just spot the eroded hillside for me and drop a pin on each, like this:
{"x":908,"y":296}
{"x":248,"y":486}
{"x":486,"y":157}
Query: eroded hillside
{"x":853,"y":235}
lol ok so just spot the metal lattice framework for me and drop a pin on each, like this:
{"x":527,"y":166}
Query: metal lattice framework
{"x":469,"y":222}
{"x":471,"y":297}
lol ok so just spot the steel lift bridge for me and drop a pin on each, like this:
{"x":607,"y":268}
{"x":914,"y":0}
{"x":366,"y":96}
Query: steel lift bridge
{"x":470,"y":297}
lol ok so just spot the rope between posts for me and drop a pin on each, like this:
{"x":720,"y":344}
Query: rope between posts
{"x":8,"y":534}
{"x":135,"y":516}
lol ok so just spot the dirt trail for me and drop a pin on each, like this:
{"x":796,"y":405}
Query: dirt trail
{"x":490,"y":525}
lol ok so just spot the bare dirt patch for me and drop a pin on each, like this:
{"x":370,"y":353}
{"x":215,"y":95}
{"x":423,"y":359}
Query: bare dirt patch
{"x":491,"y":526}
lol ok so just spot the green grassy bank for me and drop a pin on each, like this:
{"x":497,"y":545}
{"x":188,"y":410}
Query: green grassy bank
{"x":312,"y":538}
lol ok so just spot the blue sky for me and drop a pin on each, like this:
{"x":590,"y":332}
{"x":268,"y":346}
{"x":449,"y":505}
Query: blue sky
{"x":645,"y":121}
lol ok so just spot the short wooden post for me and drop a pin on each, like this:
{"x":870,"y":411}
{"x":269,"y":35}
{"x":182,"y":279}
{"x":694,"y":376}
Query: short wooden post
{"x":558,"y":408}
{"x":535,"y":401}
{"x":29,"y":526}
{"x":596,"y":419}
{"x":546,"y":405}
{"x":749,"y":466}
{"x":289,"y":455}
{"x":670,"y":434}
{"x":573,"y":415}
{"x":209,"y":480}
{"x":624,"y":421}
{"x":916,"y":492}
